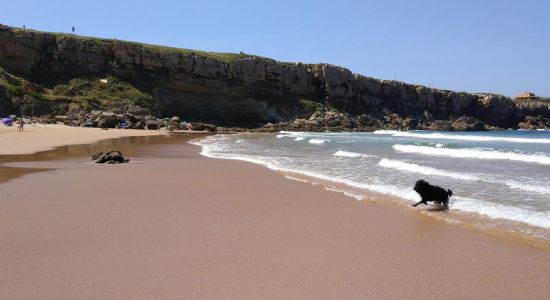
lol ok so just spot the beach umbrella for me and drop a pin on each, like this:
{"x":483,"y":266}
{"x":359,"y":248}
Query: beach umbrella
{"x":7,"y":121}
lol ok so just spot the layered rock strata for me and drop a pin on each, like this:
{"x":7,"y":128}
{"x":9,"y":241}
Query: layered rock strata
{"x":240,"y":89}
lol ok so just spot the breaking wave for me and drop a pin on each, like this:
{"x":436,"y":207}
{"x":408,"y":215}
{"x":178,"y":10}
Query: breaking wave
{"x":501,"y":211}
{"x":475,"y":138}
{"x":317,"y":141}
{"x":474,"y":153}
{"x":429,"y":171}
{"x":343,"y":153}
{"x":351,"y":176}
{"x":414,"y":168}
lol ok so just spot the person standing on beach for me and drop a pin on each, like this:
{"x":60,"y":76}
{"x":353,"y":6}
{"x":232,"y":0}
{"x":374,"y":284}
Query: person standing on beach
{"x":21,"y":124}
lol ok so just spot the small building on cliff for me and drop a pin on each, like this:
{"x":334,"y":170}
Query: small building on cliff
{"x":526,"y":96}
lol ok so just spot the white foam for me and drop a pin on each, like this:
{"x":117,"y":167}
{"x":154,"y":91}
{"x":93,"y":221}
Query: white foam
{"x":414,"y":168}
{"x":297,"y":136}
{"x":292,"y":132}
{"x":317,"y":141}
{"x":295,"y":178}
{"x":474,"y":153}
{"x":492,"y":210}
{"x":527,"y":187}
{"x":357,"y":196}
{"x":343,"y":153}
{"x":209,"y":150}
{"x":501,"y":211}
{"x":477,"y":138}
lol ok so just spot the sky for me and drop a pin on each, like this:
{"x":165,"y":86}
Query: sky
{"x":463,"y":45}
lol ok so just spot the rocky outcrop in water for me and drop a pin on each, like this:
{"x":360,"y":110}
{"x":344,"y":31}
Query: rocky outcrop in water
{"x":240,"y":89}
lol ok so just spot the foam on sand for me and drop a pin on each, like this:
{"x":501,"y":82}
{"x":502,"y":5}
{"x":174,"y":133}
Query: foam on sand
{"x":474,"y":153}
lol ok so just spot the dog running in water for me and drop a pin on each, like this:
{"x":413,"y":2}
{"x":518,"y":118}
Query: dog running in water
{"x":433,"y":193}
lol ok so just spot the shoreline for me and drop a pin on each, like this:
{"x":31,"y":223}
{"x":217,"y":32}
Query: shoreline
{"x":42,"y":137}
{"x":507,"y":229}
{"x":522,"y":232}
{"x":270,"y":237}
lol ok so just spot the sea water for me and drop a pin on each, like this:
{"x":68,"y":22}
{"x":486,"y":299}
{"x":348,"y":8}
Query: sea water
{"x":501,"y":176}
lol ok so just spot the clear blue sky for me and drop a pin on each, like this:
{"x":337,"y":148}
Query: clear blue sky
{"x":475,"y":46}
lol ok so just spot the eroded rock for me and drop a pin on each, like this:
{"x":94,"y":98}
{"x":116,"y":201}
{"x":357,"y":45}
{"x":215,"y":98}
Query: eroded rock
{"x":109,"y":157}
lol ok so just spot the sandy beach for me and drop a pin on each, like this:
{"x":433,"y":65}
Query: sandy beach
{"x":40,"y":137}
{"x":172,"y":224}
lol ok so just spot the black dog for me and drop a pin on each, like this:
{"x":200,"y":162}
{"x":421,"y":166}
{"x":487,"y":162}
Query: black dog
{"x":430,"y":192}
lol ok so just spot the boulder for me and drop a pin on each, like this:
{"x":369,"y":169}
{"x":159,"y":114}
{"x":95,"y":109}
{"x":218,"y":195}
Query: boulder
{"x":533,"y":123}
{"x":440,"y":125}
{"x":109,"y":157}
{"x":203,"y":127}
{"x":153,"y":124}
{"x":366,"y":120}
{"x":137,"y":110}
{"x":107,"y":122}
{"x":465,"y":123}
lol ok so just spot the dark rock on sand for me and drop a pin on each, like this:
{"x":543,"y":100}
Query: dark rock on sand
{"x":109,"y":157}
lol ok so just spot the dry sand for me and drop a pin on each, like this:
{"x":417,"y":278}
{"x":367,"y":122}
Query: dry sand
{"x":39,"y":137}
{"x":174,"y":225}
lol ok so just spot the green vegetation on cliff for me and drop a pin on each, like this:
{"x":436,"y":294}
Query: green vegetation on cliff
{"x":227,"y":88}
{"x":103,"y":90}
{"x":219,"y":56}
{"x":29,"y":98}
{"x":311,"y":106}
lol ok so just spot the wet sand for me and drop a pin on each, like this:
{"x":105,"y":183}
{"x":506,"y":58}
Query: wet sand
{"x":40,"y":137}
{"x":172,"y":224}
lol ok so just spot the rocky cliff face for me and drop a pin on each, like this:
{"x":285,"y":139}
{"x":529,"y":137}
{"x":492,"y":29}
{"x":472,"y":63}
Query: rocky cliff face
{"x":239,"y":88}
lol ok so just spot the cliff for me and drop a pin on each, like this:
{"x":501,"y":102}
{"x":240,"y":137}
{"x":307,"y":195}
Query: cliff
{"x":232,"y":89}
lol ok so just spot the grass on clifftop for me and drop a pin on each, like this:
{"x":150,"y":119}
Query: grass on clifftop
{"x":219,"y":56}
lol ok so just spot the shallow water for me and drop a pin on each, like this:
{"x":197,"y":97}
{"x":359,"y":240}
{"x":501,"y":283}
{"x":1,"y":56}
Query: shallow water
{"x":134,"y":146}
{"x":502,"y":177}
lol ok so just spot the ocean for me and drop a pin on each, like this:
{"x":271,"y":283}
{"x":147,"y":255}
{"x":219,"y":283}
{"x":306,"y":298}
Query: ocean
{"x":500,"y":179}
